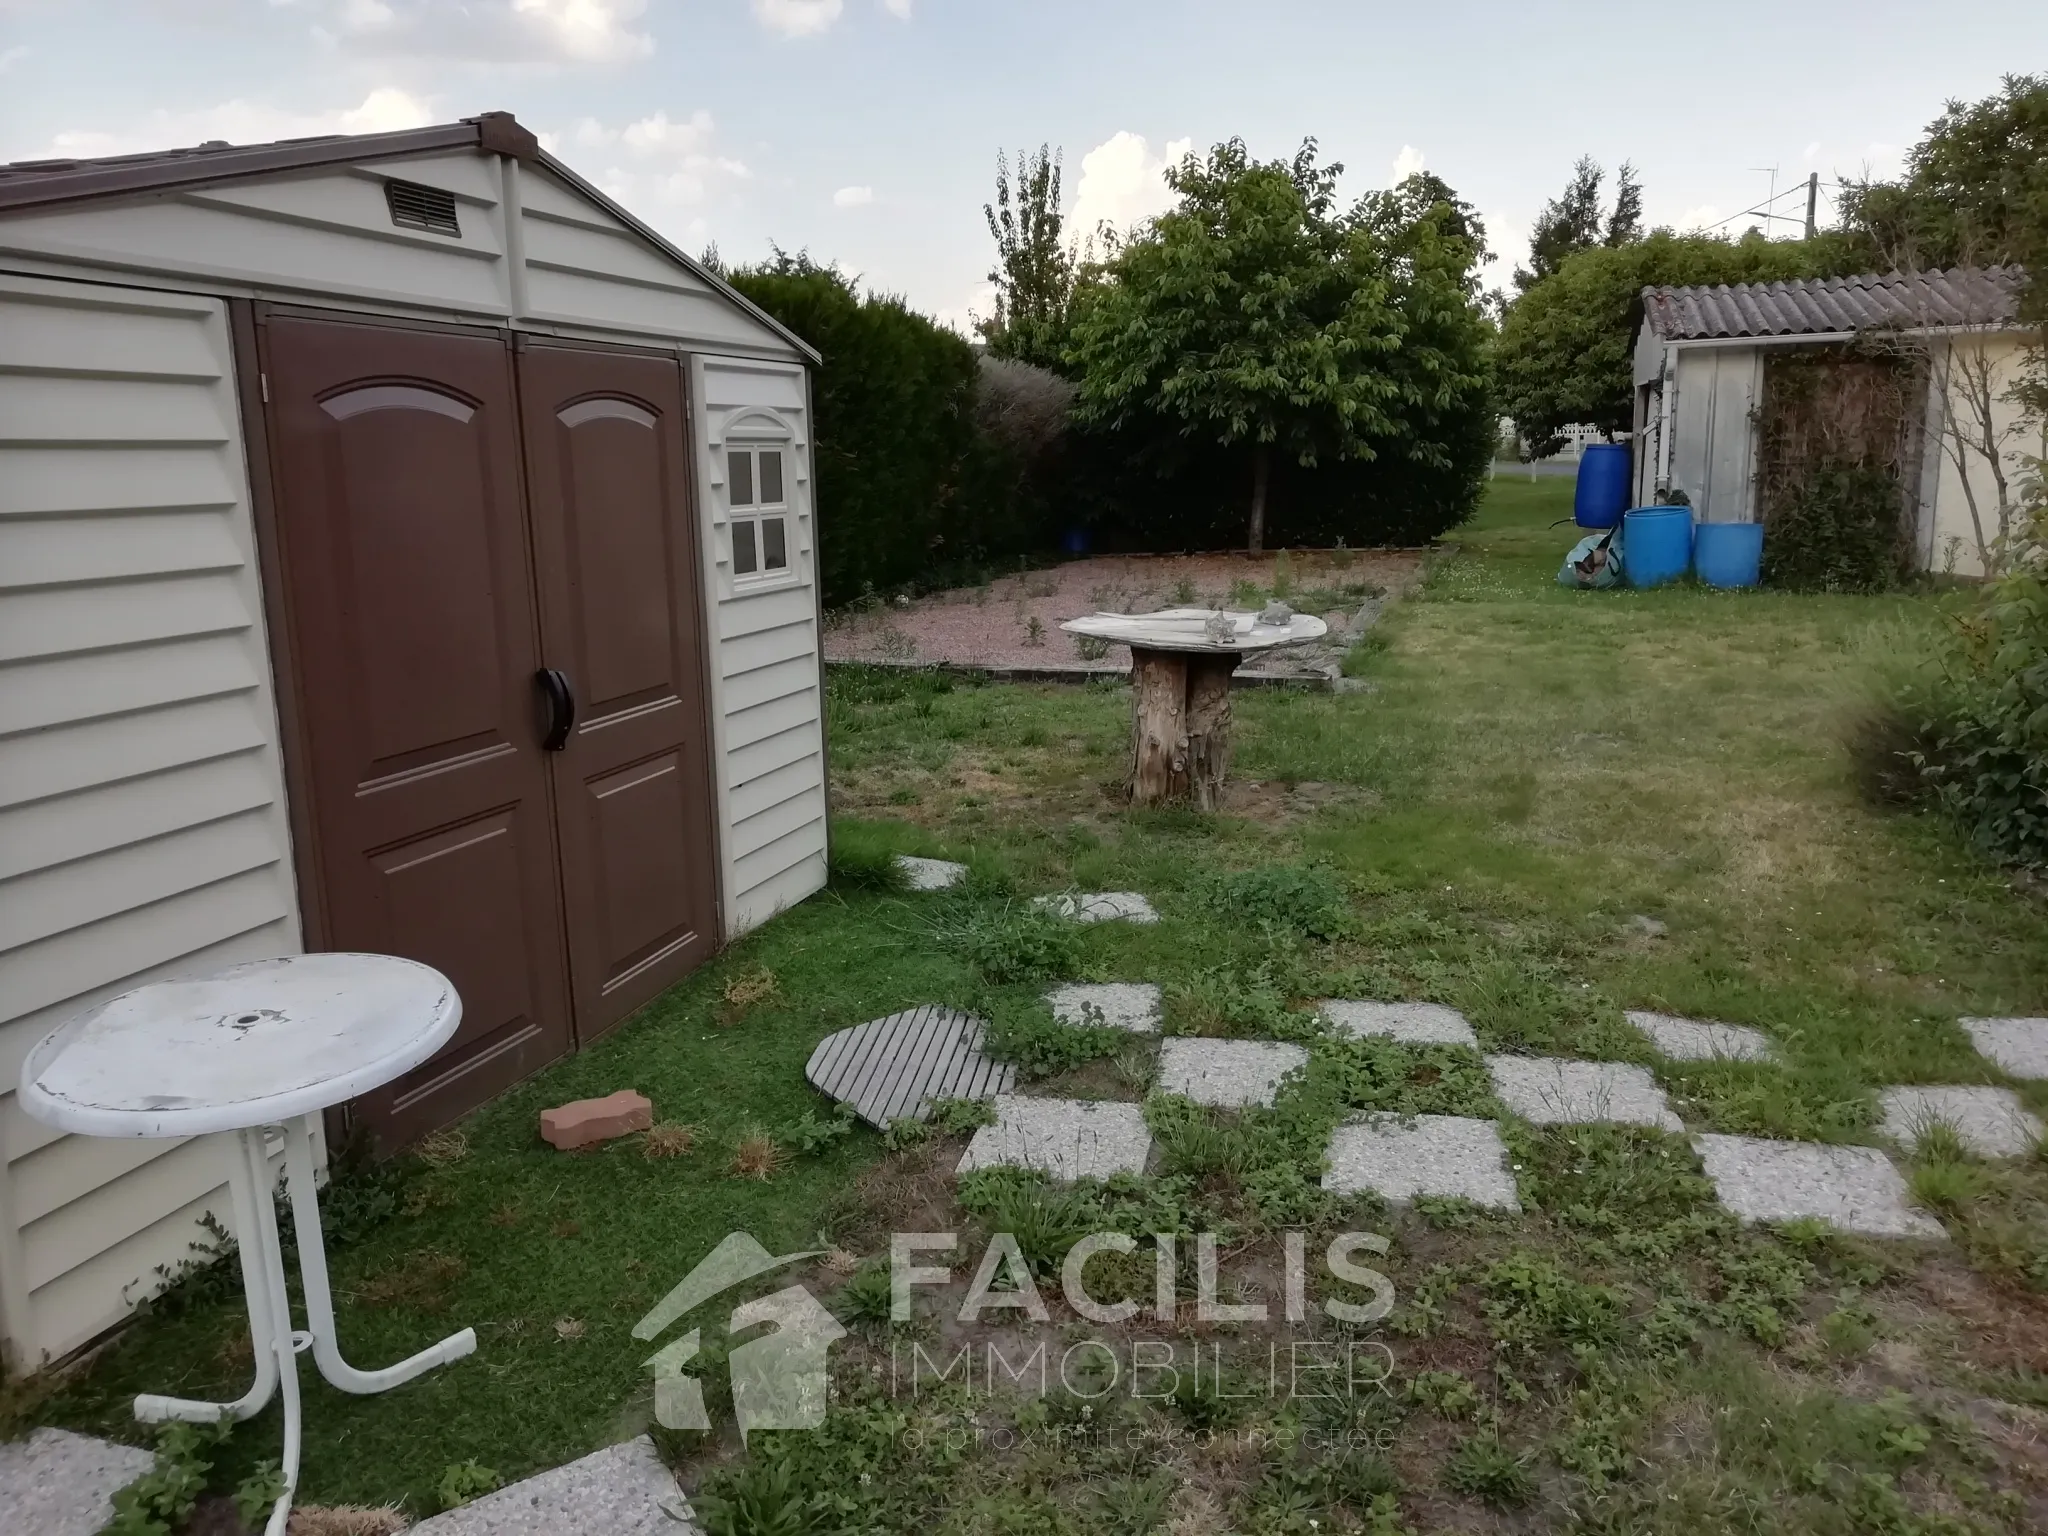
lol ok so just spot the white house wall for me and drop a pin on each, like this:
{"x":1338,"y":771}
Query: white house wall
{"x":1959,"y":537}
{"x":767,"y":711}
{"x":142,"y":822}
{"x":534,"y":252}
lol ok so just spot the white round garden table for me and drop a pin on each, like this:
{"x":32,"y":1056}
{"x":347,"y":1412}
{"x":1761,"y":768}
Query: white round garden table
{"x":269,"y":1044}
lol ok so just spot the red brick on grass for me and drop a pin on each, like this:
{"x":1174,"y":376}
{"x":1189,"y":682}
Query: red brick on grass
{"x":587,"y":1121}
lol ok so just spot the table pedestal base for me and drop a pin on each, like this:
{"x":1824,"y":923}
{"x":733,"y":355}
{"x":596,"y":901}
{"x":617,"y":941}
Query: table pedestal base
{"x":1180,"y":727}
{"x":277,"y":1344}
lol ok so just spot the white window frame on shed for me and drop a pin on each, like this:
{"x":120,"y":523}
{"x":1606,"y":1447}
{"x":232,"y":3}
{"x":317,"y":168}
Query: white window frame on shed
{"x":750,"y":446}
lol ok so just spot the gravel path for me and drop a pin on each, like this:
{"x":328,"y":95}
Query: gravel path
{"x":991,"y":625}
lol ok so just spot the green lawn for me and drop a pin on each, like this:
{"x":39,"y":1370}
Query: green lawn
{"x":1547,"y":807}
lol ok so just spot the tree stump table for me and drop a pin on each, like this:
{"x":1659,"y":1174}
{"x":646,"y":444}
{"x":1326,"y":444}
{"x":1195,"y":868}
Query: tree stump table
{"x":1181,"y":661}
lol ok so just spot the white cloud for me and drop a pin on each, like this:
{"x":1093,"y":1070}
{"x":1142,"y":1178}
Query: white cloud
{"x":663,"y":170}
{"x":1508,"y":238}
{"x":852,"y":197}
{"x":494,"y":31}
{"x":1702,"y":216}
{"x":243,"y":122}
{"x":900,"y":9}
{"x":978,"y":305}
{"x":1123,"y":183}
{"x":1407,"y":163}
{"x":797,"y":18}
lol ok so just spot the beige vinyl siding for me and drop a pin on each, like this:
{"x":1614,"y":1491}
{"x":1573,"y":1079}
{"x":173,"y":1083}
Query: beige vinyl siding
{"x":534,"y":251}
{"x":142,"y":825}
{"x":768,"y":725}
{"x":1963,"y":523}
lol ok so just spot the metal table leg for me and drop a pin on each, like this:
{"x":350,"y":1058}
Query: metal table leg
{"x":270,"y":1321}
{"x":298,"y":1159}
{"x":277,"y":1346}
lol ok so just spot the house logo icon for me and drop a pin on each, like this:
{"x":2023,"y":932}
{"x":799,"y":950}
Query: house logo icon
{"x":778,"y":1380}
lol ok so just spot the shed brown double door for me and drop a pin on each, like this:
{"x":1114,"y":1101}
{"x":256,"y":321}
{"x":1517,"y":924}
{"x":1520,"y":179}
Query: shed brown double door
{"x":456,"y":520}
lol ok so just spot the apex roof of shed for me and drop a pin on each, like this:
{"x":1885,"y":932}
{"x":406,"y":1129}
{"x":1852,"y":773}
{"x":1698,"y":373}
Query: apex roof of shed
{"x":1960,"y":296}
{"x":34,"y":184}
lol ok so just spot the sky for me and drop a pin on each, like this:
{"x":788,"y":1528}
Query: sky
{"x":866,"y":131}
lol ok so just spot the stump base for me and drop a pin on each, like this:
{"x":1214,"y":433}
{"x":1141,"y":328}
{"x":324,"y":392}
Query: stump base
{"x":1180,"y":727}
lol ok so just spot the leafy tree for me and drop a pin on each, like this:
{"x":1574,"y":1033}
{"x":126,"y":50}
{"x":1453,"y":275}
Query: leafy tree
{"x":1258,"y":317}
{"x":1575,"y":220}
{"x":1975,"y":190}
{"x":1567,"y":345}
{"x":1034,"y":272}
{"x":1625,"y":222}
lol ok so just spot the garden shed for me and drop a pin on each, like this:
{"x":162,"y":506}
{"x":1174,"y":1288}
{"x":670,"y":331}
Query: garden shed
{"x":1942,"y":349}
{"x":402,"y":548}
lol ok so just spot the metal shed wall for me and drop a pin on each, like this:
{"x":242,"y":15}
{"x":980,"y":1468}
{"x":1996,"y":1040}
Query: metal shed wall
{"x":1713,"y":440}
{"x":142,"y":822}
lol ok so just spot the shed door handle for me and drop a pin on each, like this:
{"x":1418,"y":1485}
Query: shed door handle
{"x":554,"y":684}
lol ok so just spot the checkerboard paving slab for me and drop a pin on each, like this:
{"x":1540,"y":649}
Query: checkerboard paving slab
{"x":1548,"y":1090}
{"x":2020,"y":1046}
{"x":56,"y":1483}
{"x":1132,"y":1005}
{"x":1100,"y":906}
{"x":1412,"y":1023}
{"x":622,"y":1490}
{"x":1227,"y":1074}
{"x":1066,"y":1138}
{"x":1399,"y":1158}
{"x":1854,"y":1188}
{"x":1696,"y":1040}
{"x":930,"y":874}
{"x":1991,"y":1122}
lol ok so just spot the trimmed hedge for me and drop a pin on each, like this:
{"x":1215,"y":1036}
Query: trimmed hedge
{"x":911,"y":492}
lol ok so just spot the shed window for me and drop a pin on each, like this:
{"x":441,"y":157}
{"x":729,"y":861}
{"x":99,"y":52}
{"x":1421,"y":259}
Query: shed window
{"x":760,"y":513}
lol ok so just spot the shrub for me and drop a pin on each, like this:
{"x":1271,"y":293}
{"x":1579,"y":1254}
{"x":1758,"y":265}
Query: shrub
{"x":1838,"y":529}
{"x":1969,"y":730}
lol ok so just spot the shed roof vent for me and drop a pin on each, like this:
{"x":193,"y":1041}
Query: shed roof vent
{"x":416,"y":207}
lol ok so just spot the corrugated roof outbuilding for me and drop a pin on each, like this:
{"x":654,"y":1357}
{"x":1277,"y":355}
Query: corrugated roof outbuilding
{"x":1960,"y":296}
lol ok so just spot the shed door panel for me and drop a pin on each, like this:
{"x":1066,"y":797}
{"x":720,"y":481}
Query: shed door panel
{"x":407,"y":572}
{"x":622,"y":616}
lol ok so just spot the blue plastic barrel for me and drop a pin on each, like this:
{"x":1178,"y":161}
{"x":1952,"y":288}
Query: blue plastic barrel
{"x":1728,"y":554}
{"x":1602,"y":490}
{"x":1656,"y":544}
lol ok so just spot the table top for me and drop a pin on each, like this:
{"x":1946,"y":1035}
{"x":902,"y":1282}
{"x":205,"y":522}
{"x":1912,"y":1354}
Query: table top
{"x":1187,"y":629}
{"x":247,"y":1046}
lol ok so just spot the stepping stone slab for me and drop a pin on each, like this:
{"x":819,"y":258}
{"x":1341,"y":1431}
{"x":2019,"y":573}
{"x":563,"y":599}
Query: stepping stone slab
{"x":1100,"y":907}
{"x":1401,"y":1157}
{"x":1066,"y":1138}
{"x":1412,"y":1023}
{"x":1132,"y":1005}
{"x":1991,"y":1122}
{"x":1694,"y":1040}
{"x":623,"y":1490}
{"x":930,"y":874}
{"x":589,"y":1121}
{"x":56,"y":1483}
{"x":1547,"y":1090}
{"x":1854,"y":1188}
{"x":2020,"y":1046}
{"x":1227,"y":1074}
{"x":895,"y":1067}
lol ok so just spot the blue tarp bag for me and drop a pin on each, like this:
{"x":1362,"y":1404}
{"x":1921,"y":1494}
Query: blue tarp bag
{"x":1595,"y":561}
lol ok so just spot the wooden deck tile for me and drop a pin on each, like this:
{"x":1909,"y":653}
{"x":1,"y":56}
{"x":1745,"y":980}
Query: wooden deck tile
{"x":889,"y":1069}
